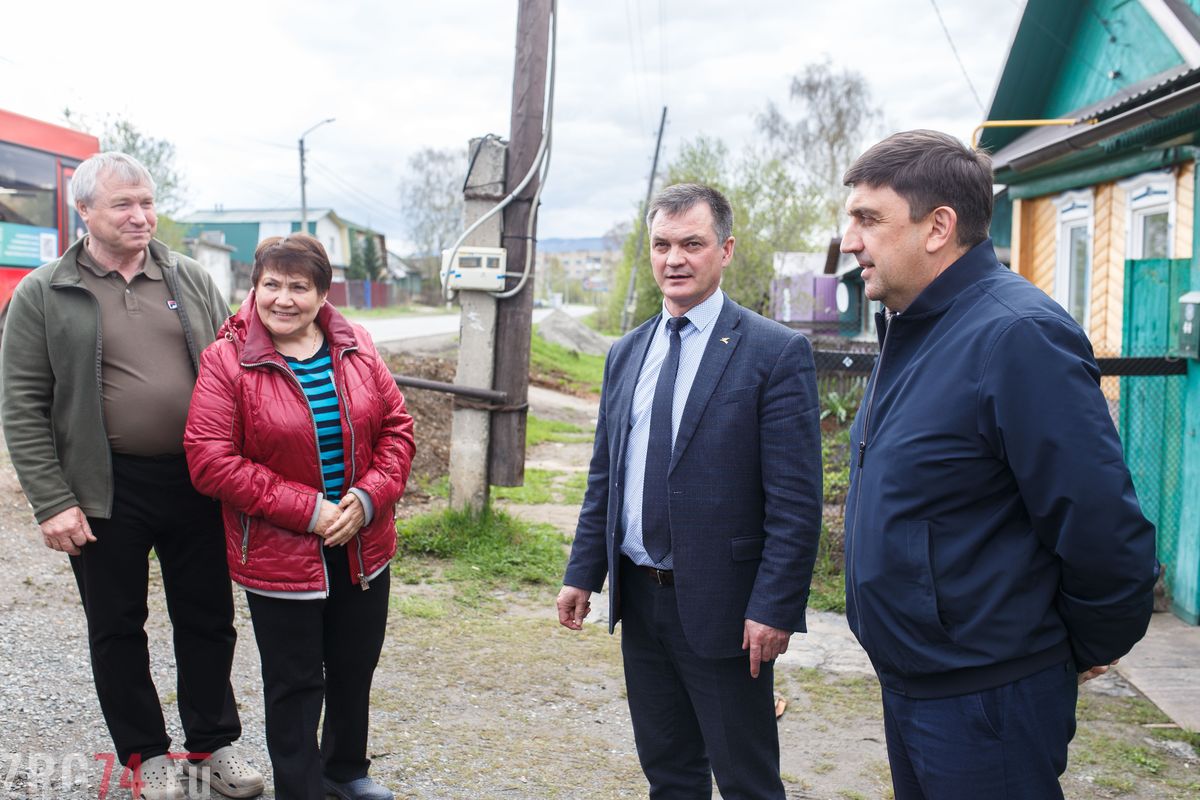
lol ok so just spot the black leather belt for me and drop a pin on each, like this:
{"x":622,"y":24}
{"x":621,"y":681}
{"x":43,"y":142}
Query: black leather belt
{"x":663,"y":577}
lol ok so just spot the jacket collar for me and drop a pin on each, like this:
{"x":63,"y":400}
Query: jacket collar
{"x":974,"y":265}
{"x":257,"y":345}
{"x":66,"y":271}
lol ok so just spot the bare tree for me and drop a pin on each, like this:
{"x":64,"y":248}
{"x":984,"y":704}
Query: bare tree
{"x":431,"y":194}
{"x":837,"y":116}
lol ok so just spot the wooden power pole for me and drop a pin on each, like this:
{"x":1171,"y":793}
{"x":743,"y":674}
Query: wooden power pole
{"x":514,"y":315}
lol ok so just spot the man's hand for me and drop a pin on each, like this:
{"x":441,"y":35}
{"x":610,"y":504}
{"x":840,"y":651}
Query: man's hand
{"x":573,"y":606}
{"x":764,"y":643}
{"x":1094,"y":672}
{"x":349,"y":522}
{"x":67,"y":531}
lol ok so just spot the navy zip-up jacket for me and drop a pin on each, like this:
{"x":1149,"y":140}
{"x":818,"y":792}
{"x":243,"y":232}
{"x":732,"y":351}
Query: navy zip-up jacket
{"x":991,"y":525}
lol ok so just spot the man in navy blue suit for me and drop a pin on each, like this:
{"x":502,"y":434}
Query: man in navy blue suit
{"x":703,"y":509}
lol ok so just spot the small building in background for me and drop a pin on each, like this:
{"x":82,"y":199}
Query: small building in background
{"x":348,"y":245}
{"x":216,"y":257}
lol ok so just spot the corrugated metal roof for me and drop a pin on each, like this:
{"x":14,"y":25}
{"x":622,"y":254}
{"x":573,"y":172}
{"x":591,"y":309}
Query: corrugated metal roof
{"x":1144,"y":91}
{"x":1130,"y":97}
{"x":255,"y":215}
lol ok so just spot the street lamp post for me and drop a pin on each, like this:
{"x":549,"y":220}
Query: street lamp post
{"x":303,"y":196}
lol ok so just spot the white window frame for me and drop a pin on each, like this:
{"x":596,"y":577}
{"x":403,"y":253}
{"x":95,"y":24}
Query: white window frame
{"x":1146,"y":195}
{"x":1076,"y":209}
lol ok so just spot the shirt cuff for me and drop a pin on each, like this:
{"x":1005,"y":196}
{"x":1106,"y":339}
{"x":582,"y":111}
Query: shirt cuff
{"x":365,"y":499}
{"x":312,"y":524}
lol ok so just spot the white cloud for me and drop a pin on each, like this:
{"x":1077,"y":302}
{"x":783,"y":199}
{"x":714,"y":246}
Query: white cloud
{"x":233,"y":84}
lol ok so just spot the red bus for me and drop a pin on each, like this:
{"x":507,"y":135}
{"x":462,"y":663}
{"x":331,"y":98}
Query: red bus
{"x":38,"y":220}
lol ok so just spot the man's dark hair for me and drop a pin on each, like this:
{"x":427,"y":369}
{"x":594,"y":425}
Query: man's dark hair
{"x":297,"y":254}
{"x":681,"y":197}
{"x":930,"y":169}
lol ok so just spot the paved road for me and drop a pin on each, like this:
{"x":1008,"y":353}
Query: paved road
{"x":415,"y":326}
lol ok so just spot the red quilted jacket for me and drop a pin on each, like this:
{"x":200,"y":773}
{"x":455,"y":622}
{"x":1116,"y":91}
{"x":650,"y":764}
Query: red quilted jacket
{"x":251,"y":443}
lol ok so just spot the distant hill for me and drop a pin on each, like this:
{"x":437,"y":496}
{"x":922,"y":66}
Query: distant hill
{"x":571,"y":245}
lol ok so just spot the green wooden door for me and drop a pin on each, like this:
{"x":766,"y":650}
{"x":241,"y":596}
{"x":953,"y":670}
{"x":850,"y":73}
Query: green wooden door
{"x":1152,"y":407}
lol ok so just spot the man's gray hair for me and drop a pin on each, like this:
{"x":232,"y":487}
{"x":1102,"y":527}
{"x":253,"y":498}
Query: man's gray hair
{"x":124,"y":168}
{"x":682,"y":197}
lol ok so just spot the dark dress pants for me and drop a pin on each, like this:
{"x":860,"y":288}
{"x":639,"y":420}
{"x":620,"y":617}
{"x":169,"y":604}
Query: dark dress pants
{"x":314,"y":651}
{"x":693,"y":717}
{"x":155,"y":507}
{"x":997,"y":744}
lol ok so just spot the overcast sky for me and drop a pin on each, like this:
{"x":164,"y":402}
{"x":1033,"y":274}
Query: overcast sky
{"x":234,"y":84}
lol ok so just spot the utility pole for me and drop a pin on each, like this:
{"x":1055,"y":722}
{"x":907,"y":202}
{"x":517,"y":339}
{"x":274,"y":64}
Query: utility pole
{"x":483,"y":188}
{"x":303,"y":194}
{"x":514,"y":315}
{"x":631,"y":294}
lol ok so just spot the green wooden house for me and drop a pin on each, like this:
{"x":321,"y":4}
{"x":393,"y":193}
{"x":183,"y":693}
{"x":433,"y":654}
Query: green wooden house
{"x":1100,"y":214}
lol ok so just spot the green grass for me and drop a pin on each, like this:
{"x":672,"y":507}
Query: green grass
{"x":421,"y":607}
{"x":545,"y":486}
{"x":538,"y":430}
{"x":491,"y":548}
{"x":576,"y":372}
{"x":538,"y":489}
{"x":828,"y":592}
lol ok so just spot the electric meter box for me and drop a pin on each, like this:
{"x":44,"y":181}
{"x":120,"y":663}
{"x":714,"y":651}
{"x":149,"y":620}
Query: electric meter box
{"x":1189,"y":325}
{"x":477,"y":268}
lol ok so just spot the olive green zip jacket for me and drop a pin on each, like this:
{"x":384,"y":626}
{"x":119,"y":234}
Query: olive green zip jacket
{"x":50,"y":368}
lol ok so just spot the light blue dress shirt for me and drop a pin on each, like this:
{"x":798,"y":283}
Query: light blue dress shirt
{"x":693,"y":339}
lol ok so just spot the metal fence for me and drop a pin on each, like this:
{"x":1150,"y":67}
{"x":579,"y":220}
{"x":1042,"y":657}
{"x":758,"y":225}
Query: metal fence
{"x":1145,"y":398}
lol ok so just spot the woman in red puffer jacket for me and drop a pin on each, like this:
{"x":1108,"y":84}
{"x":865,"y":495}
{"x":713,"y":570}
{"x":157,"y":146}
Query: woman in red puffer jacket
{"x":297,"y":427}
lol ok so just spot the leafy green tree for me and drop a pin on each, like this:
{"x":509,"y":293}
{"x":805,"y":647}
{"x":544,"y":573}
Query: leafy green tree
{"x":157,"y":155}
{"x":771,"y":212}
{"x":365,"y":264}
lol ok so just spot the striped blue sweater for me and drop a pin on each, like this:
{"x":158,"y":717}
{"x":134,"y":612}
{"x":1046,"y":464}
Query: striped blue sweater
{"x":316,"y":378}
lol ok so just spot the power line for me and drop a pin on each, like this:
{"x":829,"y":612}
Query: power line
{"x":358,"y":202}
{"x":333,"y":176}
{"x":662,"y":51}
{"x":957,"y":58}
{"x":637,"y":88}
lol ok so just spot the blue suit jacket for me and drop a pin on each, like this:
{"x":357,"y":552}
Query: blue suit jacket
{"x":745,"y":482}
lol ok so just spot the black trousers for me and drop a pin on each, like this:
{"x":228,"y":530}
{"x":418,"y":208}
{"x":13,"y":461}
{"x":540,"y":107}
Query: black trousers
{"x":155,"y":507}
{"x":694,"y":717}
{"x":314,"y":651}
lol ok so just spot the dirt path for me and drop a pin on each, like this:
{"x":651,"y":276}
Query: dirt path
{"x":483,"y":695}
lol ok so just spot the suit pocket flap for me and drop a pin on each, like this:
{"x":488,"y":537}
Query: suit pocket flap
{"x":734,"y":395}
{"x":747,"y":548}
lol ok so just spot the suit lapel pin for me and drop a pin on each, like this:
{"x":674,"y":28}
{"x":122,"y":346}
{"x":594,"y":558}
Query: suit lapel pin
{"x":724,"y":340}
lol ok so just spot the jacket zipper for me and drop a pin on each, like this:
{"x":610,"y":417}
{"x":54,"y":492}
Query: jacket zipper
{"x":862,"y":452}
{"x":320,"y":477}
{"x":245,"y":537}
{"x":344,"y":396}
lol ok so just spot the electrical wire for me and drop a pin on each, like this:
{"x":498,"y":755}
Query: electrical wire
{"x":539,"y":157}
{"x":633,"y":67}
{"x":957,"y":57}
{"x":361,"y":194}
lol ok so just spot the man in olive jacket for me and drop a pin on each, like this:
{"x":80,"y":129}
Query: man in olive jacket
{"x":100,"y":354}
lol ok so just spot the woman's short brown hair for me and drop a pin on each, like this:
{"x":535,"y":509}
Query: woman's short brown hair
{"x":296,"y":254}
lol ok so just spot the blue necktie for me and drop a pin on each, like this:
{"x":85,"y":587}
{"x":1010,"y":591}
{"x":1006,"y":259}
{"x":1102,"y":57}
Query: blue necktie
{"x":656,"y":522}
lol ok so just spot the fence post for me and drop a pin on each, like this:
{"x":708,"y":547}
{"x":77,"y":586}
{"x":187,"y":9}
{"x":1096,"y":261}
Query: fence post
{"x":1185,"y":600}
{"x":1186,"y":582}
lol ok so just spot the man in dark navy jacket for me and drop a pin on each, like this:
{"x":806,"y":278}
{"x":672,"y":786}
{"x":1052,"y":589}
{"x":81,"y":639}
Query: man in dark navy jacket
{"x":996,"y":555}
{"x":703,"y":510}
